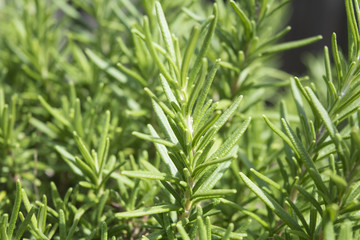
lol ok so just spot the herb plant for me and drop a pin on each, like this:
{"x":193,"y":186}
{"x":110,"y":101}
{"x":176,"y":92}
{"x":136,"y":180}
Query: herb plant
{"x":173,"y":120}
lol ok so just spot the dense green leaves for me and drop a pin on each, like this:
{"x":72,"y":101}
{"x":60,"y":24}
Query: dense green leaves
{"x":142,"y":120}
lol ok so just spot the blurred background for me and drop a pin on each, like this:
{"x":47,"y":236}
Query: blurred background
{"x":310,"y":18}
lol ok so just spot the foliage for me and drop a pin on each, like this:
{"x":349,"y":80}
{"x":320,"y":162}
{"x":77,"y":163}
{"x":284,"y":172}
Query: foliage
{"x":163,"y":120}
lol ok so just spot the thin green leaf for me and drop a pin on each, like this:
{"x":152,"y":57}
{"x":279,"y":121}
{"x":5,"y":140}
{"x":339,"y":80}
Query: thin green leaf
{"x":212,"y":162}
{"x":182,"y":231}
{"x":106,"y":67}
{"x":310,"y":198}
{"x":154,"y":139}
{"x":104,"y":142}
{"x":69,"y":159}
{"x":213,"y":193}
{"x":62,"y":225}
{"x":78,"y":122}
{"x":151,"y":175}
{"x":345,"y":231}
{"x":43,"y":127}
{"x":148,"y":211}
{"x":204,"y":90}
{"x":246,"y":212}
{"x":15,"y":210}
{"x":278,"y":210}
{"x":218,"y":231}
{"x":57,"y":201}
{"x":245,"y":20}
{"x":211,"y":176}
{"x":24,"y":225}
{"x":290,"y":45}
{"x":228,"y":113}
{"x":188,"y":53}
{"x":228,"y":232}
{"x":3,"y":226}
{"x":198,"y":85}
{"x":234,"y":138}
{"x":54,"y":112}
{"x":327,"y":65}
{"x":42,"y":215}
{"x":150,"y":46}
{"x":86,"y":170}
{"x":162,"y":105}
{"x":304,"y":155}
{"x":168,"y":228}
{"x":204,"y":47}
{"x":104,"y":233}
{"x":329,"y":233}
{"x":208,"y":227}
{"x":84,"y":152}
{"x":28,"y":206}
{"x":167,"y":90}
{"x":266,"y":179}
{"x":132,"y":74}
{"x":337,"y":61}
{"x":164,"y":154}
{"x":164,"y":123}
{"x":201,"y":227}
{"x":101,"y":204}
{"x":165,"y":32}
{"x":321,"y":111}
{"x":299,"y":215}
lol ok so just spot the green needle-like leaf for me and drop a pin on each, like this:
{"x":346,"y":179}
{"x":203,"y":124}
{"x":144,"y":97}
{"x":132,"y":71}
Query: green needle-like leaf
{"x":148,"y":211}
{"x":213,"y":193}
{"x":205,"y":87}
{"x":28,"y":206}
{"x":69,"y":159}
{"x":266,"y":179}
{"x":104,"y":232}
{"x":15,"y":210}
{"x":164,"y":123}
{"x":149,"y":44}
{"x":290,"y":45}
{"x":151,"y":175}
{"x":42,"y":215}
{"x":85,"y":152}
{"x":221,"y":232}
{"x":106,"y":67}
{"x":228,"y":113}
{"x":86,"y":170}
{"x":322,"y":113}
{"x":271,"y":204}
{"x":245,"y":20}
{"x":165,"y":32}
{"x":165,"y":155}
{"x":104,"y":143}
{"x":309,"y":197}
{"x":62,"y":225}
{"x":231,"y":141}
{"x":132,"y":74}
{"x":188,"y":53}
{"x":24,"y":225}
{"x":154,"y":139}
{"x":345,"y":231}
{"x":246,"y":212}
{"x":167,"y":90}
{"x":54,"y":112}
{"x":304,"y":155}
{"x":182,"y":231}
{"x":204,"y":47}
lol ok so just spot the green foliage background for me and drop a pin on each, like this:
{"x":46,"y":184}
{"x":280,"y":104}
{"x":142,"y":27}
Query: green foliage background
{"x":172,"y":120}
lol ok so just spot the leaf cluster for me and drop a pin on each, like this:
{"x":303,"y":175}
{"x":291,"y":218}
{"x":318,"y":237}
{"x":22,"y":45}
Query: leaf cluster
{"x":147,"y":120}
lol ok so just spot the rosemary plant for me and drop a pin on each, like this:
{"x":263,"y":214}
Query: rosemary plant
{"x":148,"y":120}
